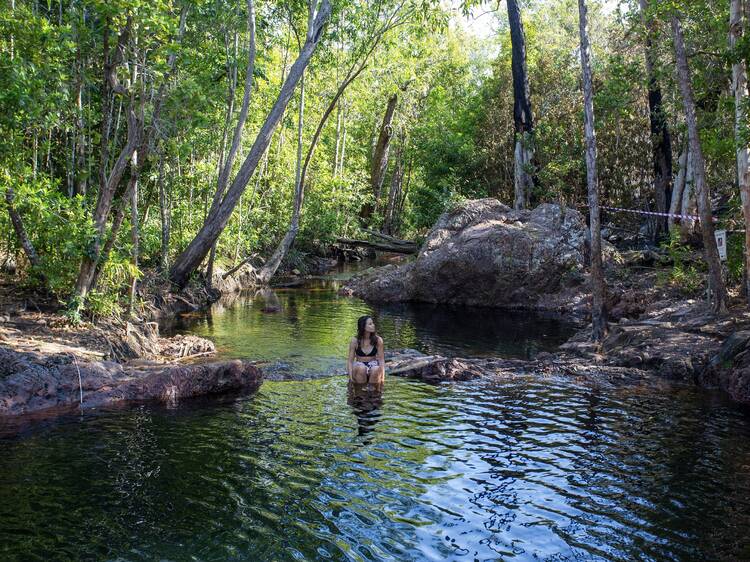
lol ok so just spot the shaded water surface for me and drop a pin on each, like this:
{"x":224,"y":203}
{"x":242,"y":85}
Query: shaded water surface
{"x":522,"y":469}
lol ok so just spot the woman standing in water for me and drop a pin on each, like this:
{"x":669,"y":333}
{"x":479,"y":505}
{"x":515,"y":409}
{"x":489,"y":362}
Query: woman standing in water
{"x":366,"y":362}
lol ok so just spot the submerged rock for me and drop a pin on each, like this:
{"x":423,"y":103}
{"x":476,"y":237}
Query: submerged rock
{"x":484,"y":253}
{"x":729,"y":369}
{"x":32,"y":382}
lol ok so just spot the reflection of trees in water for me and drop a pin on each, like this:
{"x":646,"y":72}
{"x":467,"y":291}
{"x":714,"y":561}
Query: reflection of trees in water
{"x":366,"y":400}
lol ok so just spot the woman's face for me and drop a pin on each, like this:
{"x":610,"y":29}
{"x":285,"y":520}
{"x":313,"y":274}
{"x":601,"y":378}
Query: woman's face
{"x":369,"y":325}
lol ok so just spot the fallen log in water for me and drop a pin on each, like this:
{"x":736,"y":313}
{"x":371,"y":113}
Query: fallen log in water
{"x":431,"y":368}
{"x":400,"y":247}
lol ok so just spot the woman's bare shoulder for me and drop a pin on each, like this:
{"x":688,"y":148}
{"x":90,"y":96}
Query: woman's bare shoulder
{"x":380,"y":340}
{"x":353,"y":341}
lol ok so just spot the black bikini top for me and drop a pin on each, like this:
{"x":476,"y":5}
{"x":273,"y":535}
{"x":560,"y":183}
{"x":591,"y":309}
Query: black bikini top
{"x":360,"y":353}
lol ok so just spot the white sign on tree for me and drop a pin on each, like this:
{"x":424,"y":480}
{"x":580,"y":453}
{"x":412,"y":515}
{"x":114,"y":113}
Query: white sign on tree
{"x":721,"y":243}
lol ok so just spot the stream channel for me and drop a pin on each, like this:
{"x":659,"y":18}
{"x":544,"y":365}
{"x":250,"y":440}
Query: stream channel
{"x":517,"y":469}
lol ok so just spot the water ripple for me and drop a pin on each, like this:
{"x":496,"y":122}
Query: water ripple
{"x":521,"y":469}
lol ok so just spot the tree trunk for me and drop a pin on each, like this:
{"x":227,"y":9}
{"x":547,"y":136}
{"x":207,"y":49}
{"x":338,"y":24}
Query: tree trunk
{"x":101,"y":213}
{"x":523,"y":121}
{"x":661,"y":144}
{"x":380,"y":154}
{"x":196,"y":251}
{"x":23,"y":238}
{"x":394,"y":192}
{"x":134,"y":236}
{"x":272,"y":264}
{"x":598,"y":288}
{"x":343,"y":139}
{"x":689,"y":205}
{"x":716,"y":282}
{"x":108,"y":183}
{"x":226,"y":166}
{"x":675,"y":204}
{"x":739,"y":86}
{"x":165,"y":215}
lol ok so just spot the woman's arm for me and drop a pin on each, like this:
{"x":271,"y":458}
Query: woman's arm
{"x":381,"y":358}
{"x":350,"y":358}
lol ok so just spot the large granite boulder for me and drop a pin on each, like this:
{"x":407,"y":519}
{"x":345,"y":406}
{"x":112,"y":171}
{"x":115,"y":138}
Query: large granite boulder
{"x":484,"y":253}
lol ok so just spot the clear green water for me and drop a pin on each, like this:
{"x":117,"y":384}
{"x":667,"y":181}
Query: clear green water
{"x":309,"y":331}
{"x":517,"y":469}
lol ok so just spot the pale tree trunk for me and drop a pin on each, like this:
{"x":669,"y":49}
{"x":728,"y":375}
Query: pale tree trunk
{"x":689,"y":203}
{"x":101,"y":213}
{"x":343,"y":138}
{"x":165,"y":215}
{"x":272,"y":264}
{"x":661,"y":143}
{"x":23,"y":238}
{"x":675,"y":204}
{"x":598,"y":288}
{"x":739,"y":86}
{"x":193,"y":255}
{"x":226,"y":165}
{"x":143,"y":149}
{"x":394,"y":193}
{"x":337,"y":146}
{"x":134,"y":237}
{"x":523,"y":155}
{"x":716,"y":282}
{"x":380,"y":154}
{"x":108,"y":183}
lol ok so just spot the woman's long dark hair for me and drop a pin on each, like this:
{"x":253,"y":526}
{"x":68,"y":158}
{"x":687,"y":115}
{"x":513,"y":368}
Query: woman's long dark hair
{"x":361,"y":321}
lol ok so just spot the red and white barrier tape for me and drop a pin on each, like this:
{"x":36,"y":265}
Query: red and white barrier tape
{"x":655,"y":214}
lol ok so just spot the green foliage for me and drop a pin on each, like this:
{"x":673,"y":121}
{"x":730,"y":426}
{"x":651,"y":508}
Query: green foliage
{"x":684,"y":274}
{"x":452,"y":134}
{"x":59,"y":227}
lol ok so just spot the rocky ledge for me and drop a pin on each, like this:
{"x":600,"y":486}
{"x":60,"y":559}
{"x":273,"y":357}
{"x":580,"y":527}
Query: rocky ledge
{"x":683,"y":344}
{"x":33,"y":382}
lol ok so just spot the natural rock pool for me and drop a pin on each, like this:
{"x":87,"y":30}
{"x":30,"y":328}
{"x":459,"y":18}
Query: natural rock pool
{"x":524,"y":468}
{"x":304,"y":331}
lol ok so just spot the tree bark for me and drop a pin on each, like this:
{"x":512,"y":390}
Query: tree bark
{"x":215,"y":223}
{"x":689,"y":205}
{"x":661,"y":143}
{"x":739,"y":87}
{"x":134,"y":234}
{"x":716,"y":282}
{"x":395,"y":190}
{"x":598,"y":288}
{"x":18,"y":227}
{"x":272,"y":264}
{"x":165,"y":215}
{"x":226,"y":167}
{"x":675,"y":204}
{"x":144,"y":149}
{"x":523,"y":180}
{"x":108,"y":184}
{"x":380,"y":154}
